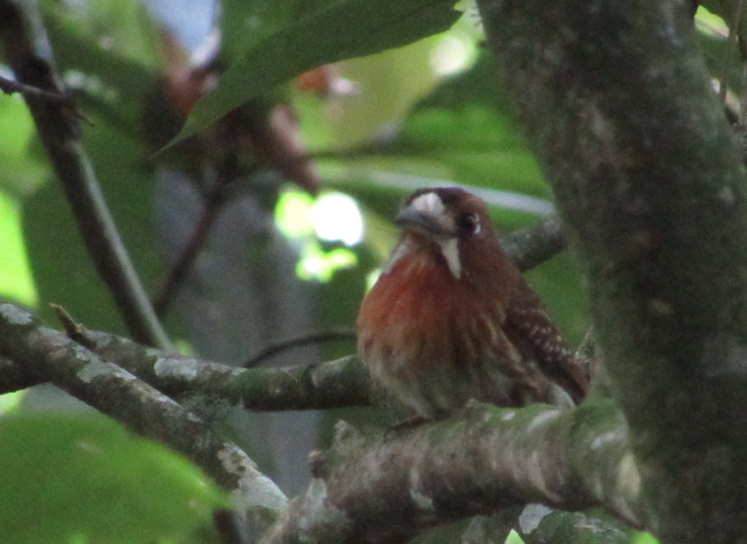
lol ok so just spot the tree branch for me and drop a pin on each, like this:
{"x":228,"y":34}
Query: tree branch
{"x":535,"y":244}
{"x":27,"y":51}
{"x":618,"y":107}
{"x":386,"y":490}
{"x":333,"y":384}
{"x":212,"y":204}
{"x":110,"y":389}
{"x":272,"y":349}
{"x":9,"y":86}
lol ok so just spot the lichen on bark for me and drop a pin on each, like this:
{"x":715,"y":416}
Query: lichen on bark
{"x":617,"y":105}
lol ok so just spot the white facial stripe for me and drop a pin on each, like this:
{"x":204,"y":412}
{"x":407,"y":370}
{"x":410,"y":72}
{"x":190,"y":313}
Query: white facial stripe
{"x":432,"y":205}
{"x":429,"y":203}
{"x":450,"y":250}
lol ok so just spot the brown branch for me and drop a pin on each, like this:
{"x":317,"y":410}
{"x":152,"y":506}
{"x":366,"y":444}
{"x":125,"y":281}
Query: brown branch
{"x":10,"y":86}
{"x":212,"y":204}
{"x":25,"y":45}
{"x":44,"y":352}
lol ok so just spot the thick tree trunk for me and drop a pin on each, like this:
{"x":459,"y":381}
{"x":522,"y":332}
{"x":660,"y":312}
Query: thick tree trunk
{"x":618,"y":108}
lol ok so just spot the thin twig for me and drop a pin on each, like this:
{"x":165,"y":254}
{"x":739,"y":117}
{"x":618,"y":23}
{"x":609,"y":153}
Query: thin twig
{"x":73,"y":329}
{"x":213,"y":203}
{"x":11,"y":86}
{"x":300,"y":340}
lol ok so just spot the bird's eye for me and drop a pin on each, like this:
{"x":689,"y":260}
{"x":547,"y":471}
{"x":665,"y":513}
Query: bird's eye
{"x":469,"y":223}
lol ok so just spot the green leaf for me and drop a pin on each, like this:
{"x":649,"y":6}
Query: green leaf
{"x":347,"y":29}
{"x":467,"y":124}
{"x":113,"y":28}
{"x":22,"y":171}
{"x":112,"y":82}
{"x":84,"y":478}
{"x":14,"y":267}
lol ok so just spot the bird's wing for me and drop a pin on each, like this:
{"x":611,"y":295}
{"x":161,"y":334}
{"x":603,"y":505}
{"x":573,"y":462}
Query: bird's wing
{"x":528,"y":323}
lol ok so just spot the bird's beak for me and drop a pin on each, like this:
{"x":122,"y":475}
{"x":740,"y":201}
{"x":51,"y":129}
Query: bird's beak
{"x":425,"y":223}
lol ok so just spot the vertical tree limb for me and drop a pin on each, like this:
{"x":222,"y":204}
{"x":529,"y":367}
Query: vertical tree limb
{"x":618,"y":107}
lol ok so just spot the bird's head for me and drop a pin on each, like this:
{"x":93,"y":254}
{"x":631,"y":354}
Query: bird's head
{"x":453,"y":224}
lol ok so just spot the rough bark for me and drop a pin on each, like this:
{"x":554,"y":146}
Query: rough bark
{"x":388,"y":489}
{"x":41,"y":351}
{"x":618,"y":107}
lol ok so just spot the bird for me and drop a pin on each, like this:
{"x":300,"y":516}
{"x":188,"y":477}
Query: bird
{"x":451,"y":318}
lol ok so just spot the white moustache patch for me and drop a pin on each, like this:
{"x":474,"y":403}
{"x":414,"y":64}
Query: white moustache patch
{"x":450,"y":250}
{"x":431,"y":204}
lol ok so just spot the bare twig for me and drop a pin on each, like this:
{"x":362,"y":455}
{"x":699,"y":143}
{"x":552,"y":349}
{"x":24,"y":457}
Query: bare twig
{"x":301,"y":340}
{"x":25,"y":44}
{"x":213,"y":203}
{"x":10,"y":86}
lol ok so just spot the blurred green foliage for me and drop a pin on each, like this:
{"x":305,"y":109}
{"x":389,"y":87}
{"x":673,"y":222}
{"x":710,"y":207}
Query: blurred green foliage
{"x":82,"y":478}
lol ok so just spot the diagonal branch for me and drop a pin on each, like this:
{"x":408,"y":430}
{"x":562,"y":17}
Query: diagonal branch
{"x":535,"y":244}
{"x":333,"y":384}
{"x":26,"y":50}
{"x":110,"y":389}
